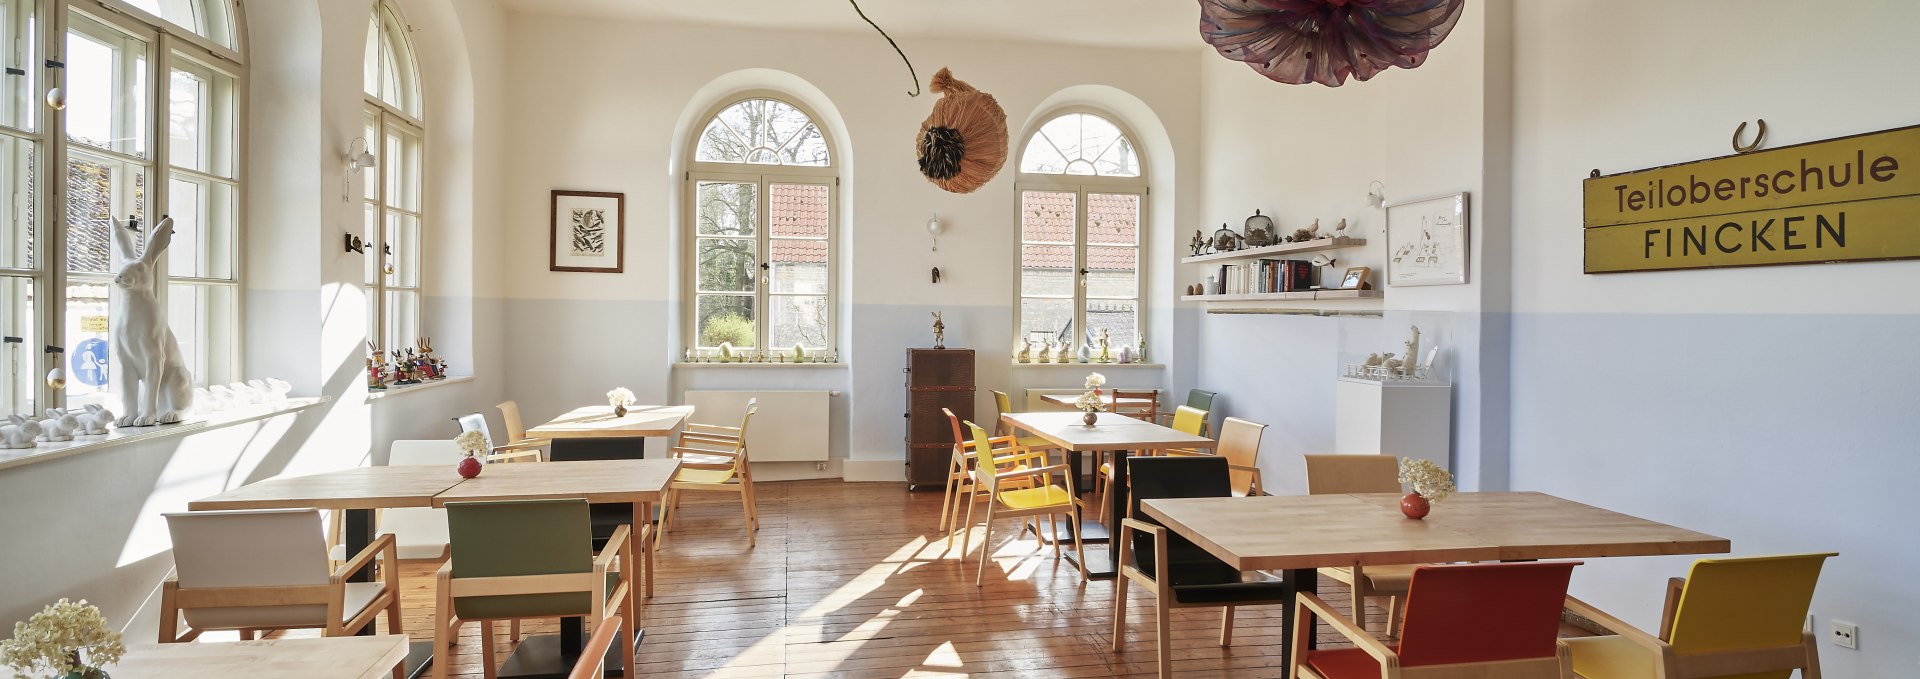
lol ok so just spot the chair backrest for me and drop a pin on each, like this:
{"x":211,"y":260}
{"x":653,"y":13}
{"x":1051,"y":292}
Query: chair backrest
{"x":1190,"y":420}
{"x":423,"y":452}
{"x":1751,"y":602}
{"x":1477,"y":613}
{"x":250,"y":548}
{"x":1341,"y":474}
{"x":959,"y":437}
{"x":1200,"y":399}
{"x":510,"y":415}
{"x":1002,"y":404}
{"x":1153,"y":478}
{"x":983,"y":455}
{"x":1149,"y":410}
{"x":740,"y":449}
{"x":1240,"y":445}
{"x":523,"y":537}
{"x":475,"y":422}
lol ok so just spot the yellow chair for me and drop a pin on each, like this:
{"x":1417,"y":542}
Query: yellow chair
{"x":963,"y":483}
{"x":1728,"y":618}
{"x":1002,"y":405}
{"x":713,"y":458}
{"x":1347,"y":474}
{"x":1006,"y":503}
{"x":1185,"y":420}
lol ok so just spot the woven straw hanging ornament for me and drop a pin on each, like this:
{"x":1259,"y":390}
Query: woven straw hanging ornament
{"x":964,"y":143}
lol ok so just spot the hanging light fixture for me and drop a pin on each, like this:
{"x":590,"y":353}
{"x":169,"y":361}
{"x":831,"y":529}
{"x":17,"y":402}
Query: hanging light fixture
{"x":1325,"y":41}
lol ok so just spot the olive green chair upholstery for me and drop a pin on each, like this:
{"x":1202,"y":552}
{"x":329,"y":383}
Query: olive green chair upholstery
{"x":529,"y":559}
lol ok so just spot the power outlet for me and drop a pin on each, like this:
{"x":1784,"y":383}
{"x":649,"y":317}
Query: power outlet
{"x":1845,"y":634}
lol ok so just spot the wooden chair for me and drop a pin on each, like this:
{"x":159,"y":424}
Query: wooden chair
{"x":713,"y":458}
{"x":1197,"y":399}
{"x":1728,"y":617}
{"x":1346,"y":474}
{"x":1148,"y":411}
{"x":1007,"y":502}
{"x":1179,"y":573}
{"x":261,"y":569}
{"x":593,"y":656}
{"x":1240,"y":444}
{"x":511,"y":452}
{"x":963,"y":482}
{"x":1002,"y":404}
{"x":517,"y":432}
{"x":529,"y":559}
{"x":1486,"y":621}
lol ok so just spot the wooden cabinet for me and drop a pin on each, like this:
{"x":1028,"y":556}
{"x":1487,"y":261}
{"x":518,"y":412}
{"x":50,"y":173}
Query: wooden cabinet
{"x":936,"y":379}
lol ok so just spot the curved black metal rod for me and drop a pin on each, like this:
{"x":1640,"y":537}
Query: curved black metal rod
{"x":896,"y":47}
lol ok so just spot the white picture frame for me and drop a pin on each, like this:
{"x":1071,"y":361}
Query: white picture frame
{"x":1428,"y":241}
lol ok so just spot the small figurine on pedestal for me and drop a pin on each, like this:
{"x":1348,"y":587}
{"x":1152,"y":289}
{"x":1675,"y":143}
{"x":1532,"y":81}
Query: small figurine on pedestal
{"x":939,"y":332}
{"x":1106,"y":351}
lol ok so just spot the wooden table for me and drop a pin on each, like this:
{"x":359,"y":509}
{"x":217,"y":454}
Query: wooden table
{"x":1299,"y":534}
{"x":1106,"y":399}
{"x":639,"y":482}
{"x":1111,"y":432}
{"x":329,"y":658}
{"x":594,"y":433}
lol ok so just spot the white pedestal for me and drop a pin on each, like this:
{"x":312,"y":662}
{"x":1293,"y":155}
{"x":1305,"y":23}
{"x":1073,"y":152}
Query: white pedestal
{"x":1403,"y":419}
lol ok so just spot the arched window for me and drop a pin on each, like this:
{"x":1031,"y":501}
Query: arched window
{"x":1082,"y":199}
{"x":394,"y":213}
{"x":210,"y":19}
{"x":762,"y":205}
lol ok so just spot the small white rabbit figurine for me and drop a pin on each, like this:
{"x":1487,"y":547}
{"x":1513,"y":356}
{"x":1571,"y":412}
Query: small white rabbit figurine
{"x":203,"y":401}
{"x":223,"y":398}
{"x":96,"y":420}
{"x":19,"y":434}
{"x":58,"y":426}
{"x":279,"y":388}
{"x":243,"y":394}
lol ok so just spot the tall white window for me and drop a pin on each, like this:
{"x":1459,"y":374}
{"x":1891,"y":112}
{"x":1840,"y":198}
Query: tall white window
{"x":152,"y":92}
{"x":763,"y":195}
{"x":392,"y":188}
{"x":1082,"y":197}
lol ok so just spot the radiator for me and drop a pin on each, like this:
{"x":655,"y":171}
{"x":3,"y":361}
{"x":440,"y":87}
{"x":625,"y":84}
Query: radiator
{"x":791,"y":426}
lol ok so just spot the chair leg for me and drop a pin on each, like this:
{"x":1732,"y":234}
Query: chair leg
{"x":1226,"y":627}
{"x":1119,"y":608}
{"x":947,"y":499}
{"x":1079,"y":550}
{"x":986,"y":546}
{"x":1163,"y":643}
{"x":1053,"y":527}
{"x":486,"y":649}
{"x":746,"y":514}
{"x":966,"y":536}
{"x":1359,"y":603}
{"x":513,"y":630}
{"x":442,"y":634}
{"x":246,"y":635}
{"x":1393,"y":617}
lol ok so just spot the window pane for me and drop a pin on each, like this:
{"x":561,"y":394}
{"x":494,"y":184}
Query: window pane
{"x":19,"y":105}
{"x":727,"y":208}
{"x":370,"y":176}
{"x":89,"y":350}
{"x":403,"y":169}
{"x":106,"y":88}
{"x":1120,"y":318}
{"x":201,"y":317}
{"x":1046,"y":270}
{"x":725,"y":319}
{"x":370,"y":60}
{"x":797,"y":210}
{"x":370,"y":225}
{"x":763,"y":131}
{"x":727,"y":265}
{"x":100,"y":192}
{"x":1081,"y":144}
{"x":1047,"y":216}
{"x":202,"y":214}
{"x":799,"y":266}
{"x":799,"y":319}
{"x":200,"y":113}
{"x":19,"y":370}
{"x":1113,"y":218}
{"x":1113,"y":272}
{"x":403,"y":318}
{"x":18,"y":187}
{"x":211,"y":19}
{"x":387,"y":68}
{"x":1046,"y":319}
{"x":403,"y":250}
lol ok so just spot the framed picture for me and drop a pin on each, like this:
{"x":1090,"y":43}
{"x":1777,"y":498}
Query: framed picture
{"x":589,"y":232}
{"x":1355,"y":278}
{"x":1427,"y":241}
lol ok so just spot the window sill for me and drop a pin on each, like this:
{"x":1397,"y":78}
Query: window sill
{"x":423,"y":386}
{"x":757,"y":366}
{"x":1102,"y":366}
{"x":58,"y":449}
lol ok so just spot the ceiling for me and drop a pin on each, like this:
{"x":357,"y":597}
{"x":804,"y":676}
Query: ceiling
{"x":1169,"y":24}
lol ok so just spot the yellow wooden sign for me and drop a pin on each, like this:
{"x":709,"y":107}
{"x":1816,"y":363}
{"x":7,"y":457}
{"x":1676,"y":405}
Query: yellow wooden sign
{"x":1848,"y":199}
{"x":93,"y":324}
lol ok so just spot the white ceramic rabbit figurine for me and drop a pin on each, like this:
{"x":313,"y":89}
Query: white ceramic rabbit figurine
{"x":58,"y":426}
{"x":203,"y":401}
{"x":19,"y":434}
{"x":95,"y":421}
{"x":158,"y":388}
{"x":243,"y":394}
{"x":279,"y":387}
{"x":223,"y":398}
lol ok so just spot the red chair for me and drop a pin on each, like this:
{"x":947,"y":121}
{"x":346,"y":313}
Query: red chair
{"x":1488,"y":621}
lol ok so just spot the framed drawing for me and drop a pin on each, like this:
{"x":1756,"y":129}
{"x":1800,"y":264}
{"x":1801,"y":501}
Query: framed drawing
{"x":1427,"y":241}
{"x":589,"y":232}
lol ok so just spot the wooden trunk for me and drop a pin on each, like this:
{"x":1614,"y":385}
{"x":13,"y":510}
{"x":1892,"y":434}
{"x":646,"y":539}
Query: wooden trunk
{"x":936,"y":379}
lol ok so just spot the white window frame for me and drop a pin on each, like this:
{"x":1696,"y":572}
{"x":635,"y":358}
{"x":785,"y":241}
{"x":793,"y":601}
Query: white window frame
{"x":763,"y":176}
{"x":394,"y":116}
{"x":1081,"y":186}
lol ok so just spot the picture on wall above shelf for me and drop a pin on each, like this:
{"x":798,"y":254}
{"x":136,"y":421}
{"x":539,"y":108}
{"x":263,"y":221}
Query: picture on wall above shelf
{"x":1281,"y":249}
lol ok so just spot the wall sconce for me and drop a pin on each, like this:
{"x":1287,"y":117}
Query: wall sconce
{"x":934,"y":228}
{"x":1377,"y":194}
{"x":356,"y":161}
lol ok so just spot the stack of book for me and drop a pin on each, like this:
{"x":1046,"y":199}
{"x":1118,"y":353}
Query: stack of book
{"x":1263,"y":276}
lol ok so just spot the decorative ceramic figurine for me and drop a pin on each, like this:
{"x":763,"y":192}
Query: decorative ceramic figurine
{"x":1063,"y":353}
{"x":1225,"y":240}
{"x":96,"y":420}
{"x":1085,"y":354}
{"x":1339,"y":230}
{"x":203,"y":401}
{"x":1106,"y":352}
{"x":1199,"y":243}
{"x":799,"y":353}
{"x":20,"y":433}
{"x":1026,"y":351}
{"x":1261,"y":231}
{"x":157,"y":388}
{"x":1126,"y":355}
{"x":1375,"y":360}
{"x":1306,"y":234}
{"x":279,"y":388}
{"x":1413,"y":352}
{"x":726,"y":352}
{"x":939,"y":332}
{"x":59,"y":426}
{"x":1140,"y":354}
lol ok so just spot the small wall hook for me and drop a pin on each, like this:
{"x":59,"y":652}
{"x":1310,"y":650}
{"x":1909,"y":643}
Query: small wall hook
{"x":1759,"y":136}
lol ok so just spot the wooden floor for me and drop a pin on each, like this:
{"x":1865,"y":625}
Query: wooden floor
{"x":855,"y":580}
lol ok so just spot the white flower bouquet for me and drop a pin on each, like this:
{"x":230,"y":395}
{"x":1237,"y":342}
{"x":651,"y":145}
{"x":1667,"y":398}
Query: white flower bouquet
{"x":619,"y":397}
{"x":62,"y":639}
{"x":471,"y":443}
{"x":1090,"y":400}
{"x":1426,"y":478}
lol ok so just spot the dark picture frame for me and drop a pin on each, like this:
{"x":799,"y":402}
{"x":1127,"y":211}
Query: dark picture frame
{"x":578,"y":230}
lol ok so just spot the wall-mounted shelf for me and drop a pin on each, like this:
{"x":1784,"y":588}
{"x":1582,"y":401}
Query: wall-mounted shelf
{"x":1281,"y":249}
{"x":1304,"y":295}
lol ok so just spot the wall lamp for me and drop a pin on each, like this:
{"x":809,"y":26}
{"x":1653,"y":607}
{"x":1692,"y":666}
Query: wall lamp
{"x":1377,"y":194}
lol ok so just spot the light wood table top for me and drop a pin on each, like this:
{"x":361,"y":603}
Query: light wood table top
{"x":1069,"y":400}
{"x":598,"y":421}
{"x":1110,"y":432}
{"x":1315,"y":531}
{"x":368,"y":657}
{"x":600,"y":481}
{"x":354,"y":488}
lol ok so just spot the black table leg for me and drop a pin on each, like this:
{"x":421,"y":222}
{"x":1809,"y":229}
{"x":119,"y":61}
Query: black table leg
{"x":1304,"y":580}
{"x":359,"y":533}
{"x":1102,"y":554}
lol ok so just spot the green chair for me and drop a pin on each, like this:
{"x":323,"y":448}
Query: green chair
{"x":528,"y":559}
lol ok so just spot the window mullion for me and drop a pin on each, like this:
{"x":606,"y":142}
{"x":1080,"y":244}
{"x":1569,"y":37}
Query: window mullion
{"x":52,"y":260}
{"x":763,"y":302}
{"x":161,"y":63}
{"x":1079,"y":266}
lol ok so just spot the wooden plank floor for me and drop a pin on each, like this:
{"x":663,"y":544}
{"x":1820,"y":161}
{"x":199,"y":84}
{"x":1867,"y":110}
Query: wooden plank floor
{"x":855,"y":580}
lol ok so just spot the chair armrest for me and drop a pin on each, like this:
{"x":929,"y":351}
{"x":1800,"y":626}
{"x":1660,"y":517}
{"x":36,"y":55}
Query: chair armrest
{"x":1360,"y":637}
{"x":1617,"y":626}
{"x":702,"y":451}
{"x":725,"y":439}
{"x":1049,"y":469}
{"x":706,"y":466}
{"x":353,"y":565}
{"x":696,"y":426}
{"x":604,"y":559}
{"x":528,"y":444}
{"x":594,"y":653}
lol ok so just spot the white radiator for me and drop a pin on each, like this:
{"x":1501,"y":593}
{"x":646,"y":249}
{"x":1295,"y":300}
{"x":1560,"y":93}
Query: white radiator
{"x":791,"y":426}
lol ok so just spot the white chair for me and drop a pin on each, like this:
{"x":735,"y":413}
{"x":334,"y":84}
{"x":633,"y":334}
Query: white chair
{"x":515,"y":451}
{"x":252,"y":570}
